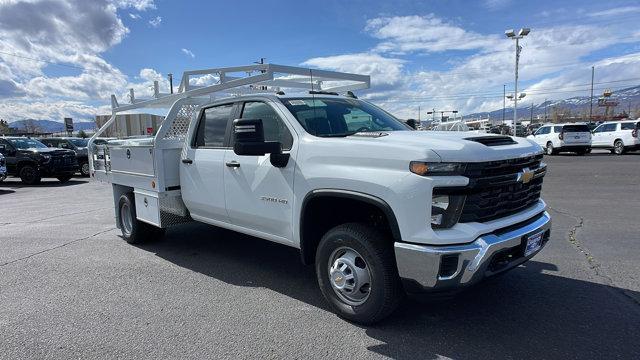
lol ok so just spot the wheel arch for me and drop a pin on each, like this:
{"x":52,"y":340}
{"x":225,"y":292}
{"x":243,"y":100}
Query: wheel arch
{"x":309,"y":238}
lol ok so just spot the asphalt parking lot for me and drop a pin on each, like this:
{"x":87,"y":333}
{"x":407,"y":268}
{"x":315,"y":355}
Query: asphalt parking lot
{"x":70,"y":287}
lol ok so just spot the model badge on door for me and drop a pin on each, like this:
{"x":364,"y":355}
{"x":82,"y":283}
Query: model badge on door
{"x":275,"y":200}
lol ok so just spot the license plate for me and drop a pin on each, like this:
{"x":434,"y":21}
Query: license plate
{"x":534,"y":243}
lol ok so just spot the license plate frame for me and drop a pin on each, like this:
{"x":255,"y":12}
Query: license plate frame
{"x":533,"y":243}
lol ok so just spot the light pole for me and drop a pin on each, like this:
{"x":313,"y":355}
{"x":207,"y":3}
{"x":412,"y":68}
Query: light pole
{"x":515,"y":99}
{"x":512,"y":35}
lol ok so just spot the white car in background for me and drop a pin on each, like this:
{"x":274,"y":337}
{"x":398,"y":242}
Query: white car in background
{"x":617,"y":136}
{"x":555,"y":138}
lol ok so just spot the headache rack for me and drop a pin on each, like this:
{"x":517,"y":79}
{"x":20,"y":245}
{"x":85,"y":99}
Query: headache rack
{"x":149,"y":165}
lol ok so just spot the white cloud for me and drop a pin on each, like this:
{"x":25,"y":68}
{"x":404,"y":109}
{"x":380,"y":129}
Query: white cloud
{"x":139,"y":5}
{"x":155,"y":22}
{"x":404,"y":34}
{"x":496,"y":4}
{"x":38,"y":33}
{"x":474,"y":82}
{"x":134,"y":16}
{"x":616,"y":11}
{"x":188,"y":53}
{"x":382,"y":70}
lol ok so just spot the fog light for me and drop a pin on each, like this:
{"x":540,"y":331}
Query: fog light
{"x":445,"y":210}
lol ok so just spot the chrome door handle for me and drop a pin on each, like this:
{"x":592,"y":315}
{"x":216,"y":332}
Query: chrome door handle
{"x":233,"y":164}
{"x":187,"y":161}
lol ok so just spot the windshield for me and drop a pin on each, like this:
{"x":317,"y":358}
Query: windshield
{"x":327,"y":117}
{"x":79,"y":142}
{"x":26,"y":143}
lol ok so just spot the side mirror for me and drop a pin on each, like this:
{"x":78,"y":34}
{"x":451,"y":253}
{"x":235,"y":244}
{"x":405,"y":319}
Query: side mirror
{"x":249,"y":138}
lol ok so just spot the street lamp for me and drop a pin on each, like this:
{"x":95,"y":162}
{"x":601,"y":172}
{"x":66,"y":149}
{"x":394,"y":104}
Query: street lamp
{"x":512,"y":35}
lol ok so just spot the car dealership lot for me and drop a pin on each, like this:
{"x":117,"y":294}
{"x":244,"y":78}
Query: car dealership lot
{"x":71,"y":287}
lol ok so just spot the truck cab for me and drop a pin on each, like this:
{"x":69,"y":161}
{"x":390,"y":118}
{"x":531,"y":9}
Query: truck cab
{"x":378,"y":208}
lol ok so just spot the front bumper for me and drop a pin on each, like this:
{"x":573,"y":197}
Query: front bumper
{"x":58,"y":169}
{"x":432,"y":268}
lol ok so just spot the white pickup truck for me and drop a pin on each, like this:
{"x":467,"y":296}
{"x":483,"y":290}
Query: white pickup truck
{"x":380,"y":209}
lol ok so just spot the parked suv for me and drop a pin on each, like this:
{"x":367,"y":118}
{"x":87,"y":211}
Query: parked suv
{"x":619,"y":136}
{"x":3,"y":168}
{"x":31,"y":160}
{"x":79,"y":145}
{"x":563,"y":137}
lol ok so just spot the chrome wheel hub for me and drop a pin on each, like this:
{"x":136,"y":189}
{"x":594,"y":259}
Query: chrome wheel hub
{"x":349,"y":276}
{"x":125,"y":219}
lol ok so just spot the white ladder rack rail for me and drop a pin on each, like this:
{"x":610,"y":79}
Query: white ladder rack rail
{"x":259,"y":78}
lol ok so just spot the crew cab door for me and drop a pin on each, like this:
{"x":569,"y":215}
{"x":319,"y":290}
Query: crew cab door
{"x":202,"y":165}
{"x":259,"y":196}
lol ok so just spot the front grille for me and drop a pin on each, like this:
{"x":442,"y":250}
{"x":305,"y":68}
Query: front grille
{"x":63,"y":160}
{"x":494,"y":190}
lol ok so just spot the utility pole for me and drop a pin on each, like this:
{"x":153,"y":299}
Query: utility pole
{"x":418,"y":114}
{"x":531,"y":120}
{"x":171,"y":83}
{"x":591,"y":99}
{"x":545,"y":110}
{"x":512,"y":35}
{"x":504,"y":100}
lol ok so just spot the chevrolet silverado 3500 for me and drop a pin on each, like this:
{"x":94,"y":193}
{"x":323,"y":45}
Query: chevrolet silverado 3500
{"x":380,"y":209}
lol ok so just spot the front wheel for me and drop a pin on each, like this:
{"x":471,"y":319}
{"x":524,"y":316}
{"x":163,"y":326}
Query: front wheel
{"x":84,"y":169}
{"x":29,"y":175}
{"x":133,"y":230}
{"x":357,"y":273}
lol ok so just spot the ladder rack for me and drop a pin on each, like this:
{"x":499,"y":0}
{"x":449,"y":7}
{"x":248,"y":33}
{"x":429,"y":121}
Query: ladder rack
{"x":259,"y":78}
{"x":183,"y":106}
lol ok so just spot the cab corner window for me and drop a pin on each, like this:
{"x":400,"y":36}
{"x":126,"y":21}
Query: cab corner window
{"x":274,"y":127}
{"x":213,"y":125}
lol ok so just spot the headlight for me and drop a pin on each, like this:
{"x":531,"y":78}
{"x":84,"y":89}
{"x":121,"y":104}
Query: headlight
{"x":445,"y":210}
{"x":427,"y":168}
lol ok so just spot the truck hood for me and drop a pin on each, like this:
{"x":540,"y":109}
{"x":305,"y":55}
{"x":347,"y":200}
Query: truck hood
{"x":455,"y":146}
{"x":50,"y":151}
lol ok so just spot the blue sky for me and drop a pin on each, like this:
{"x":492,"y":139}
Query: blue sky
{"x":64,"y":57}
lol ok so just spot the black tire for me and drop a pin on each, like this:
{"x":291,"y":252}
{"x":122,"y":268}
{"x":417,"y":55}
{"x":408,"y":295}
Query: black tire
{"x":135,"y":231}
{"x":64,"y":179}
{"x":30,"y":175}
{"x":84,"y":169}
{"x":581,"y":152}
{"x":376,"y":250}
{"x":549,"y":150}
{"x":618,"y":147}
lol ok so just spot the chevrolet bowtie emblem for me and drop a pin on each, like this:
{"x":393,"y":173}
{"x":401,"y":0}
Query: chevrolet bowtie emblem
{"x":525,"y":176}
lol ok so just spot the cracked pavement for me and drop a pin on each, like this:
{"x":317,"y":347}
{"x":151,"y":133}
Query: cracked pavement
{"x":70,"y":287}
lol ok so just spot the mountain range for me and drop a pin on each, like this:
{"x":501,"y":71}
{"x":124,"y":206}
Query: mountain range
{"x":577,"y":106}
{"x":50,"y":126}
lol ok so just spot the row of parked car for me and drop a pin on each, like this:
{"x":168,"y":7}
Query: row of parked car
{"x":615,"y":136}
{"x":32,"y":159}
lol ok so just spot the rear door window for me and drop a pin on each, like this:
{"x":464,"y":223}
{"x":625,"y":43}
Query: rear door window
{"x":609,"y":127}
{"x":557,"y":129}
{"x":543,"y":130}
{"x":212,"y":128}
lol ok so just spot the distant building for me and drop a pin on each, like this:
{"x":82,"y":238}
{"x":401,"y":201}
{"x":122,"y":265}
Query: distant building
{"x":130,"y":124}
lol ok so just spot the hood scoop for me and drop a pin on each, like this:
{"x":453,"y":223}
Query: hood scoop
{"x":493,"y":140}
